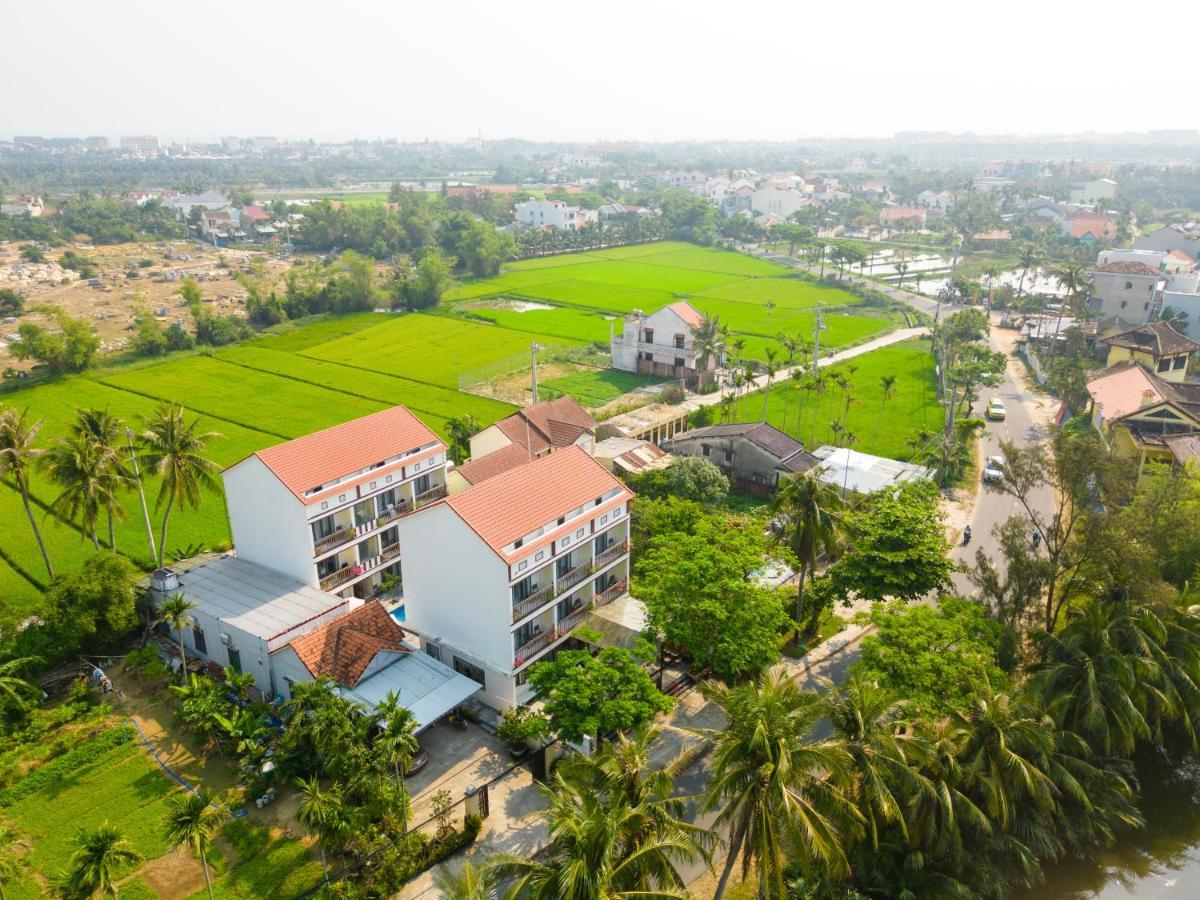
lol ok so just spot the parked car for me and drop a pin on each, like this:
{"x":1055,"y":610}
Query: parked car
{"x":993,"y":470}
{"x":996,"y":410}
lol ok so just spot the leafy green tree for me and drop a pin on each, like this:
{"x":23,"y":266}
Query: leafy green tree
{"x":694,"y":478}
{"x":459,"y":431}
{"x":688,"y":217}
{"x":177,"y":338}
{"x":423,"y":286}
{"x":96,"y":606}
{"x":176,"y":613}
{"x":699,"y":596}
{"x":70,"y":348}
{"x":193,"y":819}
{"x":18,"y":457}
{"x":931,"y":656}
{"x":899,"y":547}
{"x":352,"y":289}
{"x":201,"y":703}
{"x":189,"y":290}
{"x":807,"y":515}
{"x":32,"y":253}
{"x":148,"y":339}
{"x":783,"y":796}
{"x":173,"y":449}
{"x":100,"y":854}
{"x":595,"y":695}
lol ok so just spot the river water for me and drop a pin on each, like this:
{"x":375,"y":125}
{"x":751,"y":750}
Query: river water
{"x":1160,"y":861}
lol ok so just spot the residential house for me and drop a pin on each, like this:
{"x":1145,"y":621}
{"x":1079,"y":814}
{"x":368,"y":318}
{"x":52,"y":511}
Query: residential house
{"x":875,"y":191}
{"x":1097,"y":191}
{"x":939,"y":201}
{"x":1125,"y":288}
{"x":1183,"y":237}
{"x":554,"y":214}
{"x":902,"y":217}
{"x":367,"y":654}
{"x":994,"y":239}
{"x":255,"y":221}
{"x":772,"y":200}
{"x":1155,"y":345}
{"x":628,"y":456}
{"x":610,"y":213}
{"x":688,"y":180}
{"x":499,"y":576}
{"x":738,"y":199}
{"x":23,"y":206}
{"x":1138,"y":414}
{"x":664,"y":343}
{"x":322,"y":509}
{"x":753,"y":455}
{"x":535,"y":431}
{"x":209,"y":200}
{"x":1089,"y":228}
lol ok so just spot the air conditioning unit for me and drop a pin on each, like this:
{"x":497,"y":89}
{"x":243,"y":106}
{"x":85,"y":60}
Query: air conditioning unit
{"x":226,"y":639}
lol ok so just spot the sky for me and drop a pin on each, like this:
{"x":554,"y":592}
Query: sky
{"x":605,"y":70}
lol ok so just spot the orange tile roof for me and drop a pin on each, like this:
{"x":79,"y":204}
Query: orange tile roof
{"x":518,"y":501}
{"x":323,"y":456}
{"x":687,"y":312}
{"x":552,"y":423}
{"x":342,"y":649}
{"x":492,"y":464}
{"x":1096,"y":226}
{"x":1123,"y":389}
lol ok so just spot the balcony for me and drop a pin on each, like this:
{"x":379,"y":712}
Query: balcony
{"x":535,"y":644}
{"x":574,"y":576}
{"x":430,"y":496}
{"x":334,"y":580}
{"x":608,"y":596}
{"x":522,"y":608}
{"x":616,"y":551}
{"x":334,"y":539}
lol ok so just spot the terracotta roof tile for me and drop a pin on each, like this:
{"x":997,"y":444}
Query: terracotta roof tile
{"x":516,"y":502}
{"x":1156,"y":338}
{"x":1127,"y":267}
{"x":687,"y":312}
{"x":342,"y":649}
{"x":329,"y":454}
{"x":492,"y":464}
{"x":552,"y":423}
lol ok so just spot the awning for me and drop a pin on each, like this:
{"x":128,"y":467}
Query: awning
{"x":619,"y":622}
{"x":428,"y":688}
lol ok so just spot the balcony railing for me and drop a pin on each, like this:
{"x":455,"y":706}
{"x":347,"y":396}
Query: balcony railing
{"x":574,"y":576}
{"x":334,"y":539}
{"x":524,"y":607}
{"x":429,"y":496}
{"x":611,"y":594}
{"x":617,"y":550}
{"x":532,"y":646}
{"x":334,"y":580}
{"x":567,"y":623}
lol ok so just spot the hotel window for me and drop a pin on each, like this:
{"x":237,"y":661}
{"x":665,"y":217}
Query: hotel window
{"x":1180,"y":362}
{"x":323,"y":528}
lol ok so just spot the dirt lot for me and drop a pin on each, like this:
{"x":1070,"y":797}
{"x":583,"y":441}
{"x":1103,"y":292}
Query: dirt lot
{"x":113,"y":298}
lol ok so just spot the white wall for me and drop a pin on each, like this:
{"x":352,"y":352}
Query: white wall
{"x":253,"y":649}
{"x":287,"y":665}
{"x":268,"y":522}
{"x":488,"y":441}
{"x":456,"y":595}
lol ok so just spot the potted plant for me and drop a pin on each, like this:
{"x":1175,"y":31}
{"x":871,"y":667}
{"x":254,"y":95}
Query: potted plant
{"x":520,"y":727}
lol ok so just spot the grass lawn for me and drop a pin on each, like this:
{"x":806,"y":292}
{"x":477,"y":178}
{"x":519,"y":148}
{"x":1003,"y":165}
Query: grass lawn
{"x":305,"y":333}
{"x":640,"y":273}
{"x":264,"y":866}
{"x":595,"y":387}
{"x":883,"y":429}
{"x":510,"y":282}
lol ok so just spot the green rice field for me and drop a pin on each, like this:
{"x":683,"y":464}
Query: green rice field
{"x":304,"y":376}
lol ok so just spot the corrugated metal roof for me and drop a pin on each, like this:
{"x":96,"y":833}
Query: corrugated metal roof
{"x":427,"y":688}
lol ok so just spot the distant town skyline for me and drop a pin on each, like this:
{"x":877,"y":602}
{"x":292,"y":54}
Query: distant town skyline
{"x":760,"y":70}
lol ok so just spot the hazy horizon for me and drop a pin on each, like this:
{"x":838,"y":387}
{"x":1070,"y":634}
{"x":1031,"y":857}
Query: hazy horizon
{"x":534,"y":70}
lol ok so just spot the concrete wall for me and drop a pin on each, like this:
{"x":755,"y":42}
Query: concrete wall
{"x":268,"y":522}
{"x":488,"y":441}
{"x":1127,"y":296}
{"x":750,"y":465}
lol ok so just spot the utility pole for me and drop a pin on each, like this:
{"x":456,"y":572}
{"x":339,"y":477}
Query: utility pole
{"x":137,"y":475}
{"x":533,"y":352}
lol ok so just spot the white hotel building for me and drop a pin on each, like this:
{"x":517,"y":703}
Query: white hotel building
{"x":498,"y":576}
{"x":324,"y":508}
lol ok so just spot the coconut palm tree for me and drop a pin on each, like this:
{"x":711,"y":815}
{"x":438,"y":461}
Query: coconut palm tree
{"x":173,"y":449}
{"x":192,"y":819}
{"x":100,"y":853}
{"x":941,"y":814}
{"x":1029,"y":260}
{"x":771,"y":354}
{"x":1071,"y":276}
{"x":888,"y":383}
{"x":80,"y":467}
{"x":616,"y":831}
{"x":322,"y":813}
{"x":706,"y":338}
{"x":15,"y":688}
{"x":18,"y":456}
{"x":468,"y":883}
{"x":397,"y":741}
{"x":809,"y":511}
{"x":459,"y":431}
{"x":11,"y":848}
{"x":106,"y":431}
{"x":175,"y":613}
{"x":992,"y":272}
{"x":784,"y":797}
{"x":872,"y":726}
{"x":901,"y":271}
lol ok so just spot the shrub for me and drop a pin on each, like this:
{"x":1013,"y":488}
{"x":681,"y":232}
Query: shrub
{"x":522,"y":724}
{"x":672,"y":393}
{"x":415,"y":852}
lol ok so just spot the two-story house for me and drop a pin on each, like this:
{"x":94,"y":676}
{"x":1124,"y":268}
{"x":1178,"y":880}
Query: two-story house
{"x":754,"y":456}
{"x":664,"y":343}
{"x":1155,"y":345}
{"x":499,"y":576}
{"x":323,"y":508}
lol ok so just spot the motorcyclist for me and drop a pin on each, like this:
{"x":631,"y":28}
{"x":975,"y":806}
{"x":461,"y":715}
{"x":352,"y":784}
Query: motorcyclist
{"x":966,"y":535}
{"x":1037,"y":536}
